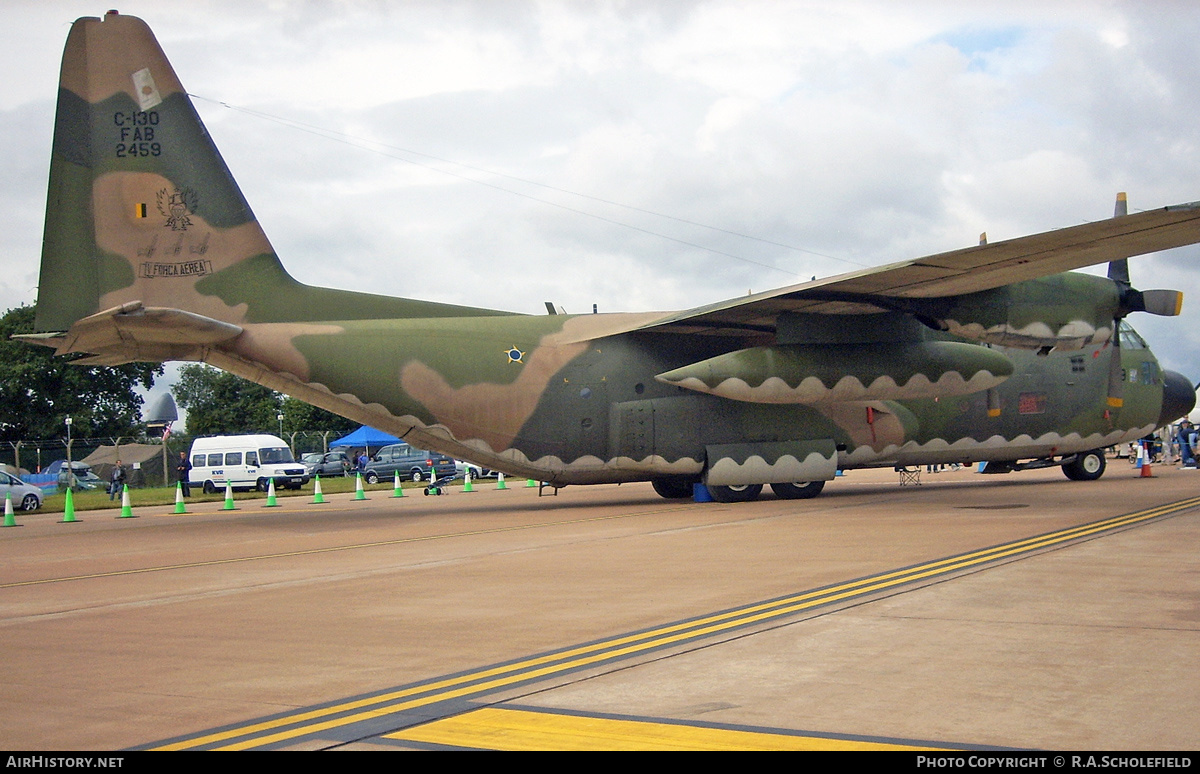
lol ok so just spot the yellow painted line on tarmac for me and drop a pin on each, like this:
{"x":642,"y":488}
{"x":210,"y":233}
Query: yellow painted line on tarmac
{"x":494,"y":678}
{"x":334,"y":549}
{"x":520,"y":730}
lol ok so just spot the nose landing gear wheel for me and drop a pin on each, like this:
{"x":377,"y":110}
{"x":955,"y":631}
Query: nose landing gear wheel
{"x":1088,"y":466}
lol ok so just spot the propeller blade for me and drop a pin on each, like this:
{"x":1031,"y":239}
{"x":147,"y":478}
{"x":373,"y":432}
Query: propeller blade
{"x":1116,"y":374}
{"x":1165,"y":303}
{"x":1118,"y":271}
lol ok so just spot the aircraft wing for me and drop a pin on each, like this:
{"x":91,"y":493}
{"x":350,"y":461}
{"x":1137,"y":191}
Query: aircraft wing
{"x":957,"y":272}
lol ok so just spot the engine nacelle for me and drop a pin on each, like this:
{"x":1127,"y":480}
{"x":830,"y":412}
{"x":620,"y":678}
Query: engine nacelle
{"x":1064,"y":312}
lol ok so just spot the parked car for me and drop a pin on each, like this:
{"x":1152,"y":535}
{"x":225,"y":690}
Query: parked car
{"x":83,"y":479}
{"x":477,"y":471}
{"x":330,"y":464}
{"x":412,"y":463}
{"x":26,"y":497}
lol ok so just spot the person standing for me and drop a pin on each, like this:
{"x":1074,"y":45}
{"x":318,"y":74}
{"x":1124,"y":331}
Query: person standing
{"x":184,"y":469}
{"x":1186,"y":452}
{"x":118,"y":481}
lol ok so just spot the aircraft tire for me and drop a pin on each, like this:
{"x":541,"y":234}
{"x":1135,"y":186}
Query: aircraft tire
{"x":801,"y":490}
{"x":672,"y":488}
{"x":735,"y":494}
{"x":1088,"y":466}
{"x":29,"y":503}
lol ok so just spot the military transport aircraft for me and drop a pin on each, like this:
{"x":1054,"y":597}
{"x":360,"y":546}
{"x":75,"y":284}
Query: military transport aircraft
{"x":984,"y":353}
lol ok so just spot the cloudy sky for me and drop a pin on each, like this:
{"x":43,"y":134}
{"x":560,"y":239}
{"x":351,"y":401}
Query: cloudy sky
{"x":652,"y":155}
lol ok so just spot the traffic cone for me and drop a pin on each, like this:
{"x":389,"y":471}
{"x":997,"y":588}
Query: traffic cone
{"x":359,"y":494}
{"x":397,"y":490}
{"x":69,"y":509}
{"x":500,"y":482}
{"x":1146,"y":462}
{"x":530,"y":483}
{"x":180,"y":505}
{"x":467,"y":482}
{"x":271,"y":503}
{"x":229,"y":506}
{"x":126,"y":509}
{"x":318,"y":498}
{"x":10,"y":519}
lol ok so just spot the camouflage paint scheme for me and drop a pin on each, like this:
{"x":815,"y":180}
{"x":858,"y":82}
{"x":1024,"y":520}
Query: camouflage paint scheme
{"x":152,"y":253}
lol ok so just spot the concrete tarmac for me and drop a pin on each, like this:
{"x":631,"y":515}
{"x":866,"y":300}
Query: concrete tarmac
{"x":190,"y":630}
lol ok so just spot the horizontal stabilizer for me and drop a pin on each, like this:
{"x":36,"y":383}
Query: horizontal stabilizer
{"x":132,"y":332}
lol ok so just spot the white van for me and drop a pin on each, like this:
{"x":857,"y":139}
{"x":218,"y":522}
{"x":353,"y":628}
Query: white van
{"x":245,"y":462}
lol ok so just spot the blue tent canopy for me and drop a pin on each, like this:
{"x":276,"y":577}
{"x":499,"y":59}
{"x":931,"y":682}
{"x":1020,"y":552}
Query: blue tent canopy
{"x":366,"y":436}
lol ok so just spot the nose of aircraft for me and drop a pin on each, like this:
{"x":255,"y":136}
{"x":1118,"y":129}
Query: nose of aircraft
{"x":1179,"y":397}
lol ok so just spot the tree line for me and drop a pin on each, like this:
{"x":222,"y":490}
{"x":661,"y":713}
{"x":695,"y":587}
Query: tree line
{"x":219,"y":403}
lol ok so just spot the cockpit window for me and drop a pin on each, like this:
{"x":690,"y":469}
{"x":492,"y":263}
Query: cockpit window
{"x":1130,"y":338}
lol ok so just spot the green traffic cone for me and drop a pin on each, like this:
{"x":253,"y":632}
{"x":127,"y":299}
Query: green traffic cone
{"x":317,"y":496}
{"x":271,"y":503}
{"x":530,"y":483}
{"x":229,"y":506}
{"x":69,"y":509}
{"x":397,"y":490}
{"x":467,"y":482}
{"x":359,"y":494}
{"x":126,"y":508}
{"x":500,"y":482}
{"x":10,"y":519}
{"x":180,"y":505}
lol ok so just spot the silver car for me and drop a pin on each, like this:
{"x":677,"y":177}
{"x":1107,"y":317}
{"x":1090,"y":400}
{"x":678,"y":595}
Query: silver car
{"x":26,"y":497}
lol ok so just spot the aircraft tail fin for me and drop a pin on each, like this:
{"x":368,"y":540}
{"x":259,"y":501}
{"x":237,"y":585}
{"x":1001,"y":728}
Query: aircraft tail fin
{"x":142,"y":210}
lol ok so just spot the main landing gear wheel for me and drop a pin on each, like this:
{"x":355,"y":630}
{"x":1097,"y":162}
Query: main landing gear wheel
{"x":735,"y":494}
{"x":672,"y":488}
{"x":1088,"y":466}
{"x":801,"y":490}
